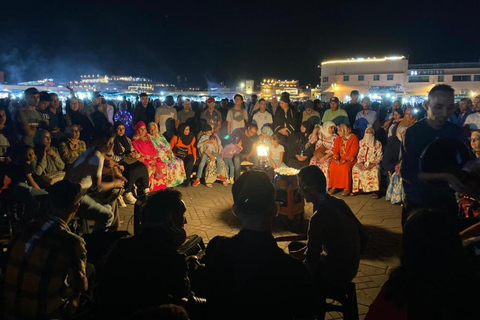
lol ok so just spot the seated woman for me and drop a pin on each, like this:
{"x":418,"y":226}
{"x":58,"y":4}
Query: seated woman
{"x":157,"y":170}
{"x":299,"y":146}
{"x":87,"y":170}
{"x":366,"y":172}
{"x":72,"y":147}
{"x":48,"y":166}
{"x":131,"y":168}
{"x":323,"y":138}
{"x":175,"y":168}
{"x":183,"y":145}
{"x":345,"y":149}
{"x":391,"y":163}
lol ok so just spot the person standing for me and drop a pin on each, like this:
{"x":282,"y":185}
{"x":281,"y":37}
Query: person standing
{"x":353,"y":107}
{"x":185,"y":113}
{"x":144,"y":111}
{"x":364,"y":118}
{"x":237,"y":117}
{"x":335,"y":114}
{"x":165,"y":112}
{"x":212,"y":116}
{"x":262,"y":117}
{"x":28,"y":118}
{"x":473,"y":120}
{"x":418,"y":193}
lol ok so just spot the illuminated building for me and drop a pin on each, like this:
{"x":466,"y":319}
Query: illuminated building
{"x":118,"y":84}
{"x":272,"y":88}
{"x":393,"y":77}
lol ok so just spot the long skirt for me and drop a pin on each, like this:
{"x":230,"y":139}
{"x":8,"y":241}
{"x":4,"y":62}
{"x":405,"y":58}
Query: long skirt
{"x":175,"y":172}
{"x":211,"y":171}
{"x":157,"y":172}
{"x":366,"y":180}
{"x":341,"y":175}
{"x":325,"y":166}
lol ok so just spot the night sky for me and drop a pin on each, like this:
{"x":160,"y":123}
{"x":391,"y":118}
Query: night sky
{"x":226,"y":41}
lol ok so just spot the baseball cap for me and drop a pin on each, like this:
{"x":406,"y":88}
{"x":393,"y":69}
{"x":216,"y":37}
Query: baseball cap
{"x":211,"y":99}
{"x":334,"y":99}
{"x":45,"y":96}
{"x":31,"y":91}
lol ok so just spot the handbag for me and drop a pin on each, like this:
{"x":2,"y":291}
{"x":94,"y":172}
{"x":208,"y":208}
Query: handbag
{"x":51,"y":179}
{"x":320,"y":152}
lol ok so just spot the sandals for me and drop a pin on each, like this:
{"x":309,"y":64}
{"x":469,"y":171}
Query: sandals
{"x":375,"y":195}
{"x":208,"y":185}
{"x":353,"y":194}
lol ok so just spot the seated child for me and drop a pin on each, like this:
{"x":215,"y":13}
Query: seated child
{"x":276,"y":152}
{"x":228,"y":152}
{"x":210,"y":146}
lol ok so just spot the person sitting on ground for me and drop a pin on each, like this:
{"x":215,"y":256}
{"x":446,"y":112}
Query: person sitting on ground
{"x":134,"y":171}
{"x":276,"y":152}
{"x":183,"y":145}
{"x":435,"y":278}
{"x":87,"y":170}
{"x":323,"y":138}
{"x":144,"y":147}
{"x":72,"y":147}
{"x":175,"y":169}
{"x":300,"y":148}
{"x":248,"y":136}
{"x":46,"y":270}
{"x":248,"y":275}
{"x":345,"y":149}
{"x":48,"y":166}
{"x":366,"y":172}
{"x":151,"y":269}
{"x":209,"y":146}
{"x":334,"y":234}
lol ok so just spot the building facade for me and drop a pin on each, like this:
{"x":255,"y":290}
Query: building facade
{"x":395,"y":78}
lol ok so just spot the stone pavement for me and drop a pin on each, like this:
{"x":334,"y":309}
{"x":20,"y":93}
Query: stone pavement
{"x":208,"y":215}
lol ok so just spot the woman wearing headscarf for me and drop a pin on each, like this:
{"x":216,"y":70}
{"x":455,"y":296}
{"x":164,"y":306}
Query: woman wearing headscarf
{"x":175,"y":168}
{"x":323,"y":138}
{"x":391,"y":162}
{"x":72,"y":147}
{"x":183,"y":146}
{"x":132,"y":169}
{"x":48,"y":166}
{"x":76,"y":116}
{"x":157,"y":170}
{"x":345,"y":149}
{"x":408,"y":118}
{"x":300,"y":148}
{"x":366,"y":172}
{"x":391,"y":125}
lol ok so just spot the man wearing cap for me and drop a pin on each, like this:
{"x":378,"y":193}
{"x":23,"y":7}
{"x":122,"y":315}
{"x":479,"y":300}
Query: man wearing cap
{"x":165,"y":112}
{"x":353,"y":107}
{"x":335,"y":114}
{"x":237,"y":117}
{"x":309,"y":113}
{"x":212,"y":116}
{"x":144,"y":111}
{"x":248,"y":275}
{"x":28,"y":118}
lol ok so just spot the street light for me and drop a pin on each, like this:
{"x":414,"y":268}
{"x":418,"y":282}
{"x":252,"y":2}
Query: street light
{"x":242,"y":85}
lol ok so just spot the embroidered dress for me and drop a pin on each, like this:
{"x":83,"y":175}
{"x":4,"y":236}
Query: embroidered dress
{"x":370,"y":152}
{"x":157,"y":170}
{"x":395,"y":189}
{"x":327,"y":143}
{"x":175,"y":168}
{"x":340,"y":175}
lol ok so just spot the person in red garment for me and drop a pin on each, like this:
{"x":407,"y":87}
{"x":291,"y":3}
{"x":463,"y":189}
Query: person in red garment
{"x":157,"y":170}
{"x":345,"y":149}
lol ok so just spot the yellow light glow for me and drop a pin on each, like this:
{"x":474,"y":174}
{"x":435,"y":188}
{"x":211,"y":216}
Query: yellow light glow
{"x":262,"y":151}
{"x":359,"y":60}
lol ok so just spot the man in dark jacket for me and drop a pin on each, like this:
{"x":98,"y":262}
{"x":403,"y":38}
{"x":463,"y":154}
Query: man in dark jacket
{"x":248,"y":275}
{"x":144,"y":111}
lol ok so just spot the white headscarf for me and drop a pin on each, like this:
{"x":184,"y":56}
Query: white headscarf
{"x":369,"y":138}
{"x":324,"y":128}
{"x":401,"y":132}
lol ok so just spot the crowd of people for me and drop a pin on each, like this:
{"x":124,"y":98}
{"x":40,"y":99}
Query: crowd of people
{"x":96,"y":156}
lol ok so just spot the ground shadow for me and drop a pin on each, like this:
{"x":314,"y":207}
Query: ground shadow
{"x":382,"y":243}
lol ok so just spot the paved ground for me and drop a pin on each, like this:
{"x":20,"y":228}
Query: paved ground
{"x":208,"y":215}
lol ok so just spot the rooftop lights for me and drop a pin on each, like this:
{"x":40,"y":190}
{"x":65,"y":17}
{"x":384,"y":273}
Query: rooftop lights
{"x":358,"y":60}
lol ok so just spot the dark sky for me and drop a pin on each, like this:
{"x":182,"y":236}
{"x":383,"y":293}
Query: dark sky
{"x":226,"y":40}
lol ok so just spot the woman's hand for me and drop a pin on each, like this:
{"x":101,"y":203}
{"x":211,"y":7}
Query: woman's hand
{"x":118,"y":183}
{"x":212,"y":158}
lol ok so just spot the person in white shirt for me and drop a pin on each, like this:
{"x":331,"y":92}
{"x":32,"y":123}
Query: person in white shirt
{"x":262,"y":117}
{"x":237,"y":116}
{"x":473,"y":120}
{"x":165,"y":112}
